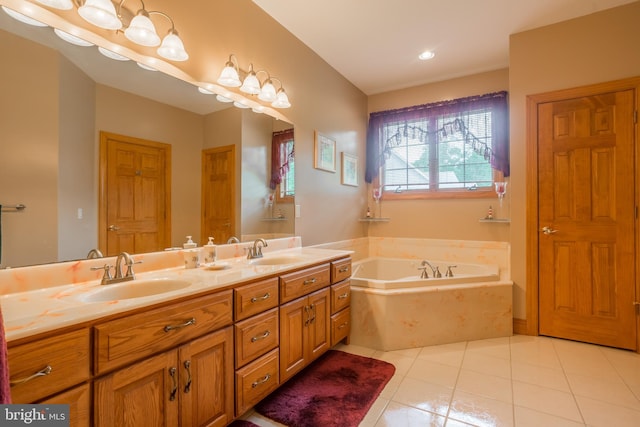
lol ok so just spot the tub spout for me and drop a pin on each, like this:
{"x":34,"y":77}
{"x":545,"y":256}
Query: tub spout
{"x":434,"y":270}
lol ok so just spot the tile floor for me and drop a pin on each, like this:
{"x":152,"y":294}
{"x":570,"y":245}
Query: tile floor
{"x":514,"y":381}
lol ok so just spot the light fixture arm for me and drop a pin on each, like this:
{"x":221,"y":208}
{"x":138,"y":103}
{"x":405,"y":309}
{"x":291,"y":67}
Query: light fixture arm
{"x":157,"y":12}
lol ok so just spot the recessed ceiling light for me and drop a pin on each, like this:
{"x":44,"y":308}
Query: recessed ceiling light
{"x":427,"y":54}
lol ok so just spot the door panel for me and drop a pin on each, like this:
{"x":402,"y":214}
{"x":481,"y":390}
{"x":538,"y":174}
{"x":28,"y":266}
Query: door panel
{"x":218,"y":189}
{"x":586,"y":205}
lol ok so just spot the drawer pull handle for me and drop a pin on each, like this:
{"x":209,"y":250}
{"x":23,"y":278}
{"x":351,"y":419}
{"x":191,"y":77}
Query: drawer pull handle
{"x":262,"y":298}
{"x":187,"y":367}
{"x":343,"y":269}
{"x":312,"y":308}
{"x":189,"y":322}
{"x":310,"y":281}
{"x":260,"y":337}
{"x":343,"y":325}
{"x":343,"y":296}
{"x":41,"y":373}
{"x":261,"y":381}
{"x":174,"y":390}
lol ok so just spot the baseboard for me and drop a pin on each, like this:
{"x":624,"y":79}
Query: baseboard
{"x":520,"y":326}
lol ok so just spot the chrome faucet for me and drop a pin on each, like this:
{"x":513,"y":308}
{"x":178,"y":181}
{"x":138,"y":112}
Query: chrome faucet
{"x":256,"y":250}
{"x":233,"y":239}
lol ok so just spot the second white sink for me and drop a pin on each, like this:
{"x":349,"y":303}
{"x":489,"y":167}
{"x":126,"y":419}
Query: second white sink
{"x":277,"y":260}
{"x":134,"y":289}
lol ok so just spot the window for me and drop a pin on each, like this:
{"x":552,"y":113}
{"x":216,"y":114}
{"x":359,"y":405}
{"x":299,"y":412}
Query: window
{"x":434,"y":149}
{"x":283,"y":165}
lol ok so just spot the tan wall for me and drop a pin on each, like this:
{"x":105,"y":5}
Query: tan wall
{"x":441,"y":218}
{"x":592,"y":49}
{"x":28,"y":133}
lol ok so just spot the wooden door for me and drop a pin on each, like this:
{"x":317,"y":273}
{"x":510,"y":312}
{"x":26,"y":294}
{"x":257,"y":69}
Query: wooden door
{"x":206,"y":380}
{"x":319,"y":328}
{"x":144,"y":394}
{"x":586,"y":217}
{"x":135,"y":205}
{"x":218,"y":194}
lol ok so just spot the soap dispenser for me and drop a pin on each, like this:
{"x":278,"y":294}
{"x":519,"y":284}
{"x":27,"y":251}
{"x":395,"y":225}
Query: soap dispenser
{"x":210,"y":255}
{"x":189,"y":244}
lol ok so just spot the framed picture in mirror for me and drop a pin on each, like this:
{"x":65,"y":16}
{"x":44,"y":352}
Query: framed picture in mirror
{"x":349,"y":169}
{"x":324,"y":153}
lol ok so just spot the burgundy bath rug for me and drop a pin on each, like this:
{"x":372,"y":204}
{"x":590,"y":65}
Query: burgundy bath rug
{"x":336,"y":390}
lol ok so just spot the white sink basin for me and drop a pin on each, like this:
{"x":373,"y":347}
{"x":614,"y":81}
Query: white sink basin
{"x":134,"y":289}
{"x":277,"y":260}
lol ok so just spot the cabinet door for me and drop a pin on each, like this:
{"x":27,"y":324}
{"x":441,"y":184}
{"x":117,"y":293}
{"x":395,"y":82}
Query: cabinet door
{"x":141,"y":395}
{"x":319,"y":326}
{"x":206,"y":380}
{"x":79,"y":401}
{"x":293,"y":324}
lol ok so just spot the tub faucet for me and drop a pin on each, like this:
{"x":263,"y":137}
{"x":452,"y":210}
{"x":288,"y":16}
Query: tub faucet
{"x":256,"y":250}
{"x":233,"y":239}
{"x":94,"y":253}
{"x":434,"y":270}
{"x":449,"y":273}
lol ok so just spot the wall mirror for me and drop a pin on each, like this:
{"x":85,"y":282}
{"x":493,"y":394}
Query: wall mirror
{"x":50,"y":120}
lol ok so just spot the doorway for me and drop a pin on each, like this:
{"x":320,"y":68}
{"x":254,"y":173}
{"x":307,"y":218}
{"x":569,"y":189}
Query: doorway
{"x":582,"y":215}
{"x":218,"y":194}
{"x":135,"y":195}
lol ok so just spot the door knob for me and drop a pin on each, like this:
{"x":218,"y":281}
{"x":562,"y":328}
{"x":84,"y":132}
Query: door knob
{"x":113,"y":228}
{"x":548,"y":230}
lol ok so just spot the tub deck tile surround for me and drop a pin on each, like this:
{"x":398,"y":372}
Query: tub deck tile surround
{"x":399,"y":319}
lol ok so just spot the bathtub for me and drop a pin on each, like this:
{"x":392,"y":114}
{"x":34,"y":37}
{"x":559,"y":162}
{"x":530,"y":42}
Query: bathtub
{"x":393,"y":308}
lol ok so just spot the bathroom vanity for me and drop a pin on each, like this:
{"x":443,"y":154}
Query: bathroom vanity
{"x":203,"y":356}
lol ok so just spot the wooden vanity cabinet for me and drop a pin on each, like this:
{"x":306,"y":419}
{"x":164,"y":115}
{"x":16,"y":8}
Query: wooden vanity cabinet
{"x":189,"y":386}
{"x":48,"y":366}
{"x":340,"y":312}
{"x":79,"y":401}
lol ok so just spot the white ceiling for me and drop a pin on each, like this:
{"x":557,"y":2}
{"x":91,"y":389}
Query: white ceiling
{"x":375,"y":43}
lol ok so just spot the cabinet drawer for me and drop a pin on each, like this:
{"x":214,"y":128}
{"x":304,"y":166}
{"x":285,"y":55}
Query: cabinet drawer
{"x":299,"y":283}
{"x":340,"y":326}
{"x":125,"y":340}
{"x":255,"y":298}
{"x":340,"y":296}
{"x":256,"y":336}
{"x":340,"y":270}
{"x":256,"y":380}
{"x":66,"y":355}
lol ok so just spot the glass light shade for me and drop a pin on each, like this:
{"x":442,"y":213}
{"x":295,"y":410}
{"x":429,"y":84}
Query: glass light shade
{"x":229,"y":76}
{"x":223,"y":98}
{"x":172,"y":48}
{"x":268,"y":92}
{"x":145,"y":66}
{"x":57,"y":4}
{"x":282,"y":100}
{"x":240,"y":104}
{"x":70,"y":38}
{"x":23,"y":18}
{"x":111,"y":54}
{"x":142,"y":31}
{"x":100,"y":13}
{"x":205,"y":91}
{"x":251,"y":84}
{"x":258,"y":110}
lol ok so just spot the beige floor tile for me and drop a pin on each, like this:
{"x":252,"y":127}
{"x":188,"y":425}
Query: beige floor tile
{"x":480,"y":411}
{"x":485,"y":364}
{"x":396,"y":415}
{"x":374,"y":413}
{"x":547,"y":400}
{"x":526,"y":417}
{"x":447,"y":354}
{"x":532,"y":374}
{"x":602,"y":414}
{"x":433,"y":372}
{"x":496,"y":347}
{"x":485,"y":385}
{"x":402,"y":363}
{"x":616,"y":392}
{"x":425,"y":396}
{"x":536,"y":351}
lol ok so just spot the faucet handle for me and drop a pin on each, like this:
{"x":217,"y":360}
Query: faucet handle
{"x":424,"y":274}
{"x":107,"y":272}
{"x":437,"y":272}
{"x":449,"y":273}
{"x":130,"y":272}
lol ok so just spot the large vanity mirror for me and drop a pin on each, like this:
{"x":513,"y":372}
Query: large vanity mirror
{"x":57,"y":98}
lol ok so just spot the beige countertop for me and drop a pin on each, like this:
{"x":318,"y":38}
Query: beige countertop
{"x":32,"y":312}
